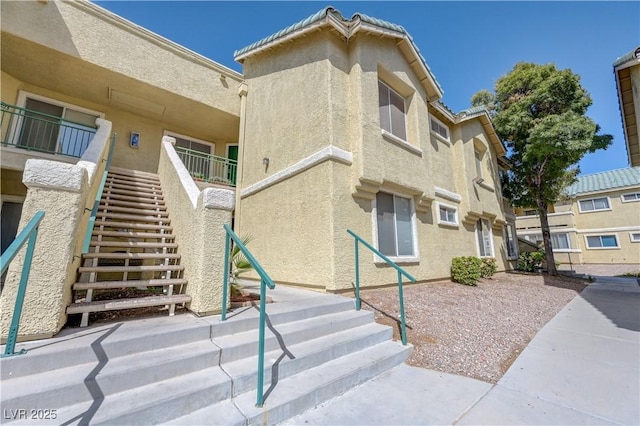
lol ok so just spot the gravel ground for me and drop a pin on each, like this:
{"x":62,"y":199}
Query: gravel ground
{"x":473,"y":331}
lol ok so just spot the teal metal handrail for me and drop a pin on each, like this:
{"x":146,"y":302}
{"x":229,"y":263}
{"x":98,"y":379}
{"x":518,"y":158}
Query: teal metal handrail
{"x":96,"y":201}
{"x":207,"y":167}
{"x":30,"y":233}
{"x":401,"y":272}
{"x":37,"y":131}
{"x":265,"y":281}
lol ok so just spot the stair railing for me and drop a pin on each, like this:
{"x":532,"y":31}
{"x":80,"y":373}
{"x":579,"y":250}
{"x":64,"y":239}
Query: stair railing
{"x":265,"y":281}
{"x":401,"y":272}
{"x":29,"y":233}
{"x":96,"y":202}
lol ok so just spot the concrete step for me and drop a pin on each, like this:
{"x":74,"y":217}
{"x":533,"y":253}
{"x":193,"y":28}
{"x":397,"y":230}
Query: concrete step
{"x":131,"y":225}
{"x":242,"y":345}
{"x":132,"y":204}
{"x":129,"y":234}
{"x":131,"y":244}
{"x":221,"y":413}
{"x":78,"y":383}
{"x":75,"y":346}
{"x":133,"y":217}
{"x":290,"y":360}
{"x":136,"y":211}
{"x":104,"y":285}
{"x":119,"y":197}
{"x":123,"y":268}
{"x":130,"y":256}
{"x":138,"y":302}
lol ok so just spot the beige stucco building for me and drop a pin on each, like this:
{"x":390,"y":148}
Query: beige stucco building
{"x":334,"y":124}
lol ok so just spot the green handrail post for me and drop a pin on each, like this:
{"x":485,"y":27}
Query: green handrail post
{"x":390,"y":262}
{"x":29,"y":232}
{"x":265,"y":281}
{"x":226,"y":276}
{"x":96,"y":201}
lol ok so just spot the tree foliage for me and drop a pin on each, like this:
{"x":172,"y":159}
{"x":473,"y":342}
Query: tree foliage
{"x":539,"y":112}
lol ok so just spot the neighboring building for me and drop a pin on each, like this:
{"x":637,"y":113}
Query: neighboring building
{"x":627,"y":72}
{"x":336,"y":124}
{"x":599,"y":222}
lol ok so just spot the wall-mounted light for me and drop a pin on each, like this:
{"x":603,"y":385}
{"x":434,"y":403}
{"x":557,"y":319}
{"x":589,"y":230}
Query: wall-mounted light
{"x":223,"y":78}
{"x":265,"y":161}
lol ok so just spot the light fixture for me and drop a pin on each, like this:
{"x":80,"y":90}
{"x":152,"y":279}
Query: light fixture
{"x":265,"y":161}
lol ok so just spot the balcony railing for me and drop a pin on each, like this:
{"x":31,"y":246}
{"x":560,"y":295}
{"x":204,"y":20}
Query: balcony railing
{"x":209,"y":168}
{"x":36,"y":131}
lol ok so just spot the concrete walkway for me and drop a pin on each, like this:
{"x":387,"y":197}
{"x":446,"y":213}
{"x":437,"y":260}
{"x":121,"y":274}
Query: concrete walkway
{"x":583,"y":367}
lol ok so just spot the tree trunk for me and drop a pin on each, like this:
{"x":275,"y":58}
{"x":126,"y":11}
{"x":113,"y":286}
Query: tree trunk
{"x":546,"y":238}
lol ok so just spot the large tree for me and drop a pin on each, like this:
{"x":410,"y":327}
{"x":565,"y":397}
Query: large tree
{"x":539,"y":112}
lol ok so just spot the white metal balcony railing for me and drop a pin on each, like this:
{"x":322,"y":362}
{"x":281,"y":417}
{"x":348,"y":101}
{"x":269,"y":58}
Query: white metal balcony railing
{"x":209,"y":168}
{"x":36,"y":131}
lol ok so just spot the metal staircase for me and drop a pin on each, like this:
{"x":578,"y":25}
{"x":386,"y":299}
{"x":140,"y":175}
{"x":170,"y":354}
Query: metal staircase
{"x":132,"y":247}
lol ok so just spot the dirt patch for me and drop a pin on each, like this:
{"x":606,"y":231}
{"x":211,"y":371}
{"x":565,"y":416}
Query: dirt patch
{"x":473,"y":331}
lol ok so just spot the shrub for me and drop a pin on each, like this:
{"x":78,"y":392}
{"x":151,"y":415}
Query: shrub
{"x":488,"y":267}
{"x":530,"y":261}
{"x":466,"y":269}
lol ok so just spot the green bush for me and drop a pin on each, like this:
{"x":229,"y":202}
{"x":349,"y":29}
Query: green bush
{"x":466,"y":269}
{"x":530,"y":261}
{"x":488,"y":267}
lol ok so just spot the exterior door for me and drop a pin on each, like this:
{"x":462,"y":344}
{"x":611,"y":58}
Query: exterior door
{"x":232,"y":171}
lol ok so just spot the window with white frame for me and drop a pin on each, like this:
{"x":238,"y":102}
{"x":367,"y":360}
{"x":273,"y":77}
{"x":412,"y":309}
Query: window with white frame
{"x":478,"y":156}
{"x":510,"y":241}
{"x":560,"y":241}
{"x":439,"y":129}
{"x":602,"y":241}
{"x":633,"y":196}
{"x":392,"y":111}
{"x":635,"y":237}
{"x":197,"y":157}
{"x":394,"y":220}
{"x":485,"y":242}
{"x":447,"y":215}
{"x":594,"y":204}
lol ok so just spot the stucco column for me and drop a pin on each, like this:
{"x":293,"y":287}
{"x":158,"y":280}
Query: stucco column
{"x":60,"y":190}
{"x":242,"y":92}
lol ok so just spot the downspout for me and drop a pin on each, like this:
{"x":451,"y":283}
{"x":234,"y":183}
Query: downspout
{"x":242,"y":92}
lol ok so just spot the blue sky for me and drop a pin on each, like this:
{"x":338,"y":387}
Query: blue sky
{"x":467,"y":45}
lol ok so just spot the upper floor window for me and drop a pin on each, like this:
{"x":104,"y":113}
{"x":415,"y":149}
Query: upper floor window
{"x":478,"y":157}
{"x":394,"y":220}
{"x":485,"y":241}
{"x":510,"y":241}
{"x":439,"y":129}
{"x":392,"y":111}
{"x":594,"y":204}
{"x":602,"y":241}
{"x":447,"y":215}
{"x":634,"y":196}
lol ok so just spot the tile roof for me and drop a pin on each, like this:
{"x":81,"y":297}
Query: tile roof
{"x":634,"y":54}
{"x":603,"y":181}
{"x":321,"y":14}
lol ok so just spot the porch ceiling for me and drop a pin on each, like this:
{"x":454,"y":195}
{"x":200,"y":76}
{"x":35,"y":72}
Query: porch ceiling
{"x":73,"y":77}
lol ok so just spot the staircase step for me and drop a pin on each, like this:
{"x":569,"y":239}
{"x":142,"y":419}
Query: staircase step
{"x":147,"y":206}
{"x":133,"y":217}
{"x":137,"y":211}
{"x":119,"y":197}
{"x":133,"y":173}
{"x":70,"y":385}
{"x":115,"y":304}
{"x":131,"y":225}
{"x":132,"y":193}
{"x":105,"y":285}
{"x":221,"y":413}
{"x":141,"y":268}
{"x":131,"y":244}
{"x":132,"y":182}
{"x":129,"y":234}
{"x":93,"y":255}
{"x":242,"y":345}
{"x":109,"y":187}
{"x":291,"y":360}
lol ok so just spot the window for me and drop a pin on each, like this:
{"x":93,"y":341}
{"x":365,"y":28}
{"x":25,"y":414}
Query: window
{"x":485,"y":243}
{"x":478,"y":156}
{"x":447,"y":215}
{"x":439,"y":129}
{"x":534,"y":238}
{"x":54,"y":127}
{"x":530,"y":212}
{"x":197,"y":157}
{"x":635,"y":237}
{"x":602,"y":241}
{"x":594,"y":204}
{"x":635,"y":196}
{"x":510,"y":241}
{"x":394,"y":218}
{"x":560,"y":241}
{"x":392,"y":111}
